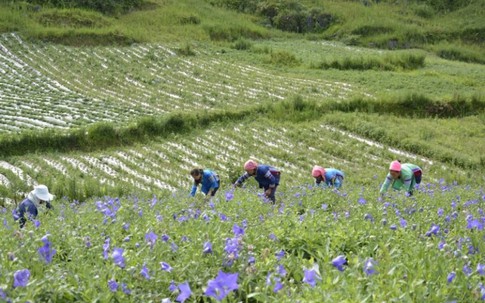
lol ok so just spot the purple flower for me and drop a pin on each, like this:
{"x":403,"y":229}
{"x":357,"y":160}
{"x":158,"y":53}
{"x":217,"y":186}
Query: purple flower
{"x":451,"y":277}
{"x":268,"y":278}
{"x":237,"y":230}
{"x":151,"y":238}
{"x":21,"y":278}
{"x":113,"y":285}
{"x":3,"y":295}
{"x":106,"y":249}
{"x":339,"y":262}
{"x":393,"y":227}
{"x":185,"y":292}
{"x":281,"y":270}
{"x":277,"y":286}
{"x":273,"y":237}
{"x":324,"y":206}
{"x":87,"y":241}
{"x":126,"y":226}
{"x":207,"y":248}
{"x":481,"y":269}
{"x":369,"y":267}
{"x":46,"y":252}
{"x":166,"y":267}
{"x":403,"y":223}
{"x":222,"y":285}
{"x":165,"y":238}
{"x":369,"y":217}
{"x":362,"y":201}
{"x":229,"y":196}
{"x":118,"y":257}
{"x":251,"y":260}
{"x":309,"y":277}
{"x":467,"y":270}
{"x":15,"y":214}
{"x":223,"y":217}
{"x":36,"y":223}
{"x":440,"y":212}
{"x":172,"y":286}
{"x":145,"y":272}
{"x":280,"y":255}
{"x":441,"y":245}
{"x":434,"y":229}
{"x":125,"y":289}
{"x":232,"y":248}
{"x":174,"y":246}
{"x":473,"y":223}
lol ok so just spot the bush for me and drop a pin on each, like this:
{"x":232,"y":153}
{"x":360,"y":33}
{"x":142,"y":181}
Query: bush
{"x":101,"y":135}
{"x":242,"y":44}
{"x":283,"y":58}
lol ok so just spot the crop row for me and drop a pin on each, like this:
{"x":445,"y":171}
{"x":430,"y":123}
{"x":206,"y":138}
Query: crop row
{"x":164,"y":166}
{"x":45,"y":85}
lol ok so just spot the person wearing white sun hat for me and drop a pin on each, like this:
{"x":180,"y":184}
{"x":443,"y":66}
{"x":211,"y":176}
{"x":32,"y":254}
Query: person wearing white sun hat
{"x":30,"y":206}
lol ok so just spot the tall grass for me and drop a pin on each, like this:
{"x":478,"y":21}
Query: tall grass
{"x":388,"y":62}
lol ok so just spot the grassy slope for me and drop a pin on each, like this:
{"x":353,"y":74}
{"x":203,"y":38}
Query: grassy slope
{"x":166,"y":23}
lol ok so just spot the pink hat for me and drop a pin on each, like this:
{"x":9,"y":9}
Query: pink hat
{"x":318,"y":171}
{"x":250,"y":165}
{"x":395,"y":165}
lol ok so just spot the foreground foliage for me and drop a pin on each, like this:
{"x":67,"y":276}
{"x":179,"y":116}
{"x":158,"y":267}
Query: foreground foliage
{"x":314,"y":244}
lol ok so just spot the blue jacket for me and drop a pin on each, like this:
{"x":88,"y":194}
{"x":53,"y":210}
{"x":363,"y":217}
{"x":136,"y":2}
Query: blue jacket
{"x":267,"y":176}
{"x":28,"y":207}
{"x":210,"y":180}
{"x":332,"y":177}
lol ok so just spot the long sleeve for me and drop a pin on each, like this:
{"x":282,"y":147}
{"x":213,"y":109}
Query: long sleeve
{"x":194,"y":190}
{"x":386,"y":183}
{"x":243,"y":178}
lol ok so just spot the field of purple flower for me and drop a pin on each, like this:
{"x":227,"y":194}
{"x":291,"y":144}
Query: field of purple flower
{"x":314,"y":245}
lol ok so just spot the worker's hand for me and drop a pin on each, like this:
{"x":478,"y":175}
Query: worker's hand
{"x":268,"y":192}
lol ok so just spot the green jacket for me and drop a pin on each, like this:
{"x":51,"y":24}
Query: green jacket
{"x":406,"y":180}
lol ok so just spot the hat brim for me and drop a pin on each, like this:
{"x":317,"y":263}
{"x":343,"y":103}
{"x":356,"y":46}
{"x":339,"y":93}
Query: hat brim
{"x":45,"y":197}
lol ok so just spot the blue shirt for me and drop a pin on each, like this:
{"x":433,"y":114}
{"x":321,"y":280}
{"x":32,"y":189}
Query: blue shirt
{"x":28,"y":207}
{"x":210,"y":180}
{"x":332,"y":177}
{"x":267,"y":176}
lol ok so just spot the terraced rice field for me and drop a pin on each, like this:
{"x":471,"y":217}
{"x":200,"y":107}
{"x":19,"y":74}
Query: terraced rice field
{"x":165,"y":165}
{"x":52,"y":86}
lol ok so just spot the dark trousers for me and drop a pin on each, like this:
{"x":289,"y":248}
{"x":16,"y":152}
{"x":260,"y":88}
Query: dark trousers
{"x":271,"y":196}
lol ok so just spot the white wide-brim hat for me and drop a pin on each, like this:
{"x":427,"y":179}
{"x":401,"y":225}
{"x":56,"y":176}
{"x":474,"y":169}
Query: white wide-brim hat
{"x":41,"y":192}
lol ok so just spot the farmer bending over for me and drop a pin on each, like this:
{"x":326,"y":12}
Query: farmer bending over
{"x":329,"y":176}
{"x":267,"y":176}
{"x":402,"y":176}
{"x":30,"y":206}
{"x":208,"y":179}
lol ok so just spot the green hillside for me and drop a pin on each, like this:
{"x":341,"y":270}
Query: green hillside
{"x":356,"y":85}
